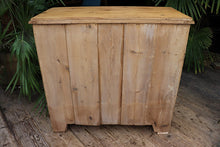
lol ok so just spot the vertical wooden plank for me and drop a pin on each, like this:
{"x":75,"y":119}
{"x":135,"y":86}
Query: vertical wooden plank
{"x":52,"y":54}
{"x":83,"y":61}
{"x":138,"y":57}
{"x":171,"y":41}
{"x":110,"y":44}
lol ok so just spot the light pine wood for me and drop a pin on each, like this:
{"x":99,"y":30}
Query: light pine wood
{"x":83,"y":61}
{"x":110,"y":44}
{"x":122,"y":14}
{"x":52,"y":54}
{"x":139,"y":48}
{"x":167,"y":68}
{"x":111,"y":65}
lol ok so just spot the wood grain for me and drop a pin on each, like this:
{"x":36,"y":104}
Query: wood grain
{"x":195,"y":121}
{"x":83,"y":61}
{"x":111,"y":65}
{"x":167,"y":68}
{"x":110,"y":44}
{"x":111,"y":14}
{"x":6,"y":136}
{"x":52,"y":54}
{"x":139,"y":48}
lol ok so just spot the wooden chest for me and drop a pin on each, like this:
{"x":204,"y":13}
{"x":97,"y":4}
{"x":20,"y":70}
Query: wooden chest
{"x":111,"y":65}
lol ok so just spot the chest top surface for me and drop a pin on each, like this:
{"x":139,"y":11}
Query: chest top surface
{"x":111,"y":14}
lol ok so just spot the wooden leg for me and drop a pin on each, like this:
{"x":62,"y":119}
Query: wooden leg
{"x":166,"y":73}
{"x":58,"y":122}
{"x":54,"y":64}
{"x":59,"y":126}
{"x":161,"y":129}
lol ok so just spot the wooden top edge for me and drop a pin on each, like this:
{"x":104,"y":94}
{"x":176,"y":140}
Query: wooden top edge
{"x":112,"y":14}
{"x":51,"y":22}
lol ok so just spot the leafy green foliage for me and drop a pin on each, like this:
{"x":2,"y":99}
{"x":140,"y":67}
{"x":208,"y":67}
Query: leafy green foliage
{"x":41,"y":104}
{"x":199,"y":41}
{"x":189,"y":7}
{"x":214,"y":5}
{"x":193,"y":8}
{"x":23,"y":47}
{"x":28,"y":71}
{"x":5,"y":36}
{"x":3,"y":9}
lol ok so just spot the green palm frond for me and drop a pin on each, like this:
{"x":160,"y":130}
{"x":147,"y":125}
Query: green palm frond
{"x":213,"y":5}
{"x":6,"y":36}
{"x":3,"y":8}
{"x":23,"y":47}
{"x":189,"y":7}
{"x":41,"y":104}
{"x":193,"y":8}
{"x":27,"y":72}
{"x":199,"y":41}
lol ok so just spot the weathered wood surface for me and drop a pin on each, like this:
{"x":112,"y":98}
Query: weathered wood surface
{"x":111,"y":65}
{"x":196,"y":121}
{"x":151,"y":73}
{"x":111,"y":73}
{"x":30,"y":129}
{"x":83,"y":60}
{"x":6,"y":136}
{"x":170,"y":46}
{"x":54,"y":64}
{"x":110,"y":45}
{"x":119,"y":14}
{"x":139,"y":48}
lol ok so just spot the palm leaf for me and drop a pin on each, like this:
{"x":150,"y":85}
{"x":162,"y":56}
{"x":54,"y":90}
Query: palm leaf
{"x":199,"y":41}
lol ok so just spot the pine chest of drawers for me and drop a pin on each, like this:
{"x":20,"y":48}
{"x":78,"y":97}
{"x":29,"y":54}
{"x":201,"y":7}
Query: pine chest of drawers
{"x":111,"y":65}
